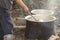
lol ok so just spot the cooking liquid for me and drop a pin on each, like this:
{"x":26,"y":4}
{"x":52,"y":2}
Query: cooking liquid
{"x":41,"y":18}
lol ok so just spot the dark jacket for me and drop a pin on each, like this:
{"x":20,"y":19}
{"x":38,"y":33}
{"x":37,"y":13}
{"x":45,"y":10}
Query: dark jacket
{"x":6,"y":4}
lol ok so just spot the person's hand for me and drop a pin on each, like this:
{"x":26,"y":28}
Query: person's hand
{"x":26,"y":9}
{"x":21,"y":4}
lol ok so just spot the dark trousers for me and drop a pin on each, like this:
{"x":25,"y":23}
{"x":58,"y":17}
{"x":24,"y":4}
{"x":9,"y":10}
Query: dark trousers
{"x":6,"y":26}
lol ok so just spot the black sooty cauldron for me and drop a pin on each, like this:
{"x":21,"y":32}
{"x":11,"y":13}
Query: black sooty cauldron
{"x":41,"y":29}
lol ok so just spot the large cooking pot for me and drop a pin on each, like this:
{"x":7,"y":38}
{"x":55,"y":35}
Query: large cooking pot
{"x":41,"y":12}
{"x":42,"y":29}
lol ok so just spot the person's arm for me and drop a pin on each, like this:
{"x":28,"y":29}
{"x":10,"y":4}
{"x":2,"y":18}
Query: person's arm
{"x":20,"y":3}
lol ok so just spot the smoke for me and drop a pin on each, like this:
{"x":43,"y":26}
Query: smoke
{"x":54,"y":5}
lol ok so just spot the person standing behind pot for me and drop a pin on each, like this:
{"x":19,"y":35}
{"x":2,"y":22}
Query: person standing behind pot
{"x":6,"y":26}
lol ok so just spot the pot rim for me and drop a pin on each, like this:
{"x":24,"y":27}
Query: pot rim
{"x":50,"y":12}
{"x":54,"y":18}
